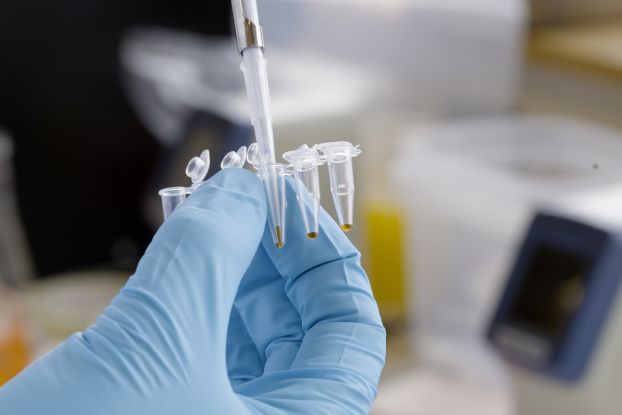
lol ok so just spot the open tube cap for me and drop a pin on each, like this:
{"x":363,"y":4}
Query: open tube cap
{"x":234,"y":159}
{"x":197,"y":168}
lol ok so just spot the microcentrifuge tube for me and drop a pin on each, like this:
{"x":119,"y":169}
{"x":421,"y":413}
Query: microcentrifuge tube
{"x":196,"y":170}
{"x":275,"y":194}
{"x":304,"y":163}
{"x":234,"y":159}
{"x":339,"y":156}
{"x":172,"y":197}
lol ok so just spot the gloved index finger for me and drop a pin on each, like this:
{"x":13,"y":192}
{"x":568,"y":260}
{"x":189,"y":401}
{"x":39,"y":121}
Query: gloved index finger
{"x":334,"y":263}
{"x":343,"y":332}
{"x":193,"y":266}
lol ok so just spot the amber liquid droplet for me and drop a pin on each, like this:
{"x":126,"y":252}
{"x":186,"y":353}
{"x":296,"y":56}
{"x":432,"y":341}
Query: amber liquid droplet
{"x":312,"y":235}
{"x":279,"y":238}
{"x":346,"y":227}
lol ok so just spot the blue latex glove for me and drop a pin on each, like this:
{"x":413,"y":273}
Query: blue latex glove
{"x":304,"y":335}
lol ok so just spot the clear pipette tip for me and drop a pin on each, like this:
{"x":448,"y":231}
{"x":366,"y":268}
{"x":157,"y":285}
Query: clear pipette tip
{"x":273,"y":176}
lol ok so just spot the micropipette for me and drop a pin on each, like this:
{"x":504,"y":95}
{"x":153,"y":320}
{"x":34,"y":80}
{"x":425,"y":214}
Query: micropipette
{"x":304,"y":161}
{"x":250,"y":45}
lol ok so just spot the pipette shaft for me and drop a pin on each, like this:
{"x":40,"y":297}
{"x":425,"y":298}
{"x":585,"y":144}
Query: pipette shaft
{"x":256,"y":79}
{"x":250,"y":45}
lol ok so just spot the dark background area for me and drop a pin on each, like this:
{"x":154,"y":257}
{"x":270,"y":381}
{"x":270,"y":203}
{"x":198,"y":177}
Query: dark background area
{"x":82,"y":157}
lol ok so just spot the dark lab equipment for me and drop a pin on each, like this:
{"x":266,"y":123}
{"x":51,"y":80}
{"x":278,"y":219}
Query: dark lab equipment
{"x":558,"y":297}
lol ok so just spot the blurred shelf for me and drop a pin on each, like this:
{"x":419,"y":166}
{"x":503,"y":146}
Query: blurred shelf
{"x":575,"y":70}
{"x":591,"y":47}
{"x":401,"y":357}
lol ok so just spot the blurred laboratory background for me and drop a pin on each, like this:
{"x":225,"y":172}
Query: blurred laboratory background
{"x":488,"y":195}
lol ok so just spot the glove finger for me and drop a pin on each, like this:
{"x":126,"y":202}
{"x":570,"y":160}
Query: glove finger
{"x":159,"y":348}
{"x":342,"y":353}
{"x":243,"y":360}
{"x":272,"y":321}
{"x":184,"y":287}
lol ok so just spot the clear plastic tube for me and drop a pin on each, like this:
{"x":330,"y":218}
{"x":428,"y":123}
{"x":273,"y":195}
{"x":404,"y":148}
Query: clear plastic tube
{"x":342,"y":188}
{"x":250,"y":44}
{"x":172,"y":198}
{"x":304,"y":163}
{"x":308,"y":196}
{"x":196,"y":170}
{"x":273,"y":176}
{"x":256,"y":79}
{"x":339,"y":159}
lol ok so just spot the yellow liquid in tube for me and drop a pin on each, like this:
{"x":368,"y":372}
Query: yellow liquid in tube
{"x":279,"y":238}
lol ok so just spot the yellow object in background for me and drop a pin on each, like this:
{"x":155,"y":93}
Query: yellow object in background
{"x":384,"y":259}
{"x":14,"y":352}
{"x":14,"y":345}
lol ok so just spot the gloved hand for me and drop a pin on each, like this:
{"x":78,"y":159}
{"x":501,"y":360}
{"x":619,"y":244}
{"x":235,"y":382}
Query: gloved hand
{"x":216,"y":320}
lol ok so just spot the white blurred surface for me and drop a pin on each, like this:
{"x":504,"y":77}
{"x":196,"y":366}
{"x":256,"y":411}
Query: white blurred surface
{"x":173,"y":74}
{"x":441,"y":57}
{"x":471,"y":188}
{"x":427,"y":392}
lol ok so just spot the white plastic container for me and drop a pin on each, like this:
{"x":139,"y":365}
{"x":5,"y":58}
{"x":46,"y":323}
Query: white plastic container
{"x":470,"y":189}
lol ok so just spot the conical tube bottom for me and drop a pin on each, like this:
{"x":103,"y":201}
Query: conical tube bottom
{"x":344,"y":205}
{"x":310,"y":210}
{"x":308,"y":197}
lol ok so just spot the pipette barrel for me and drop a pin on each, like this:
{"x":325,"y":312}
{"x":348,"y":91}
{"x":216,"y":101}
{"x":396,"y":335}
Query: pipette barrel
{"x":256,"y":79}
{"x":250,"y":45}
